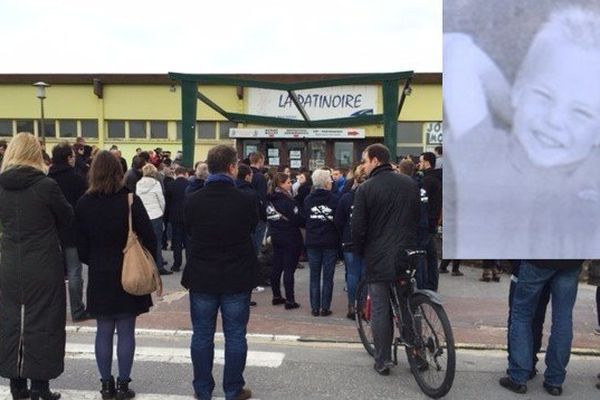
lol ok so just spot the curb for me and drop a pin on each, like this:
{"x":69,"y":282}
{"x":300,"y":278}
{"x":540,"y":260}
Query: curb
{"x":183,"y":333}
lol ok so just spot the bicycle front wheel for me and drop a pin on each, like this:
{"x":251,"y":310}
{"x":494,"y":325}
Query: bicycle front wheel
{"x":433,"y":358}
{"x":363,"y":316}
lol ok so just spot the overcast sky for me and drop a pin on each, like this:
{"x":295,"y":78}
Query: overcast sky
{"x":222,"y":36}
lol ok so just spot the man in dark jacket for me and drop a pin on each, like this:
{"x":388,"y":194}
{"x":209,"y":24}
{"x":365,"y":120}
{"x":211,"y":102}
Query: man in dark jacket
{"x":384,"y":224}
{"x":562,"y":277}
{"x":433,"y":189}
{"x":221,"y":272}
{"x":175,"y":198}
{"x":259,"y":183}
{"x":73,"y":187}
{"x":134,"y":174}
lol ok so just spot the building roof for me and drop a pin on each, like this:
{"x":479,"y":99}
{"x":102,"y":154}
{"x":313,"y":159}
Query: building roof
{"x":163,"y":79}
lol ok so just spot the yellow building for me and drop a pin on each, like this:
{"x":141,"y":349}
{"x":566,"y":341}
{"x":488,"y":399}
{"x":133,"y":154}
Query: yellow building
{"x":144,"y":111}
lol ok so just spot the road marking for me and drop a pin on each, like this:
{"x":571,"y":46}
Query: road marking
{"x":188,"y":333}
{"x":94,"y":395}
{"x":177,"y":355}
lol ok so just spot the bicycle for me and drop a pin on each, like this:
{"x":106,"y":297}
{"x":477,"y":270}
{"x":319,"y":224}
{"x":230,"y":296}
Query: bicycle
{"x":416,"y":315}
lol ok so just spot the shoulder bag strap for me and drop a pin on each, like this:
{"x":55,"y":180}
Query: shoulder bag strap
{"x":129,"y":203}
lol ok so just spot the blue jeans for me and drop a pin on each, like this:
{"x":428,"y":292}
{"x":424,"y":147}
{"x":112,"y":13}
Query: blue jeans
{"x":259,"y":235}
{"x":157,"y":225}
{"x":235,"y":312}
{"x":321,"y":260}
{"x":563,"y":291}
{"x":74,"y":268}
{"x":354,"y":272}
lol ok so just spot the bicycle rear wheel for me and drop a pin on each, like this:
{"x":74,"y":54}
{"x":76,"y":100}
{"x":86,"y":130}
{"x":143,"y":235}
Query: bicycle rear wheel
{"x":433,"y":358}
{"x":363,"y":317}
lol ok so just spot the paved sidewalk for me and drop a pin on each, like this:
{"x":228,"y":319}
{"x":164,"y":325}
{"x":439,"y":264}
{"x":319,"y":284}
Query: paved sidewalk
{"x":477,"y":311}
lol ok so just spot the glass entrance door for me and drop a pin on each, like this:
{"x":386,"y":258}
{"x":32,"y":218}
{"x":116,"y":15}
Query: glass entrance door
{"x":296,"y":154}
{"x":317,"y":154}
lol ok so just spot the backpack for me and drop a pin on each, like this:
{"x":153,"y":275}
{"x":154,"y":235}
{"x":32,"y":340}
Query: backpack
{"x":139,"y":275}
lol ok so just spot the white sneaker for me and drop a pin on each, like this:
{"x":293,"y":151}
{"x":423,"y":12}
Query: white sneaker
{"x":258,"y":289}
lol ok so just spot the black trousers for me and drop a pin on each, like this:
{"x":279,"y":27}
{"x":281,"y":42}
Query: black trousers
{"x":17,"y":384}
{"x":285,"y":261}
{"x":179,"y":241}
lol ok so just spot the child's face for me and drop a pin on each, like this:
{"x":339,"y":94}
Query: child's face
{"x":557,"y":107}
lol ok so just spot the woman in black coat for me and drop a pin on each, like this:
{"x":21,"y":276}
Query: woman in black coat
{"x":102,"y":225}
{"x":285,"y":217}
{"x":32,"y":286}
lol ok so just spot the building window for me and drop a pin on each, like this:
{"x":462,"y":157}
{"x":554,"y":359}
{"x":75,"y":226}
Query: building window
{"x":137,"y":130}
{"x":410,"y":132}
{"x":89,"y":128}
{"x":6,"y":127}
{"x":343,"y":153}
{"x":224,"y":129}
{"x":25,"y":125}
{"x":116,"y":129}
{"x":206,"y":129}
{"x":49,"y":127}
{"x":158,"y":129}
{"x":408,"y":150}
{"x":67,"y":128}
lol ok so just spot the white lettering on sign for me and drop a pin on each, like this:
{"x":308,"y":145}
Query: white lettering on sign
{"x":321,"y":103}
{"x":434,"y":132}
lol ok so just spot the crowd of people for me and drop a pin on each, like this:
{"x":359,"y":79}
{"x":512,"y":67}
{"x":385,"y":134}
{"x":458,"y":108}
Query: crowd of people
{"x":218,"y":218}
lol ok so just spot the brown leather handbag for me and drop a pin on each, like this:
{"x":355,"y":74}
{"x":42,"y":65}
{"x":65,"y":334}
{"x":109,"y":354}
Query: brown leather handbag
{"x":140,"y":275}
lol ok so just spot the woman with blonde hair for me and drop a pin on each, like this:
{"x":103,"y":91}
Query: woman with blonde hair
{"x":343,"y":221}
{"x":32,"y":286}
{"x":102,"y":216}
{"x":151,"y":193}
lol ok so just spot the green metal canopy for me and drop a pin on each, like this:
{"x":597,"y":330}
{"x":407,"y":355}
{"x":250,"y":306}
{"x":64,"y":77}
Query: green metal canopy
{"x":393,"y":100}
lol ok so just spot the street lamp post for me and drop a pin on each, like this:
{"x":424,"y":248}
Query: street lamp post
{"x":41,"y":94}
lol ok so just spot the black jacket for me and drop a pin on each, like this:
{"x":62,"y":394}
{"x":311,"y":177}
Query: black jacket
{"x":433,"y":186}
{"x":319,"y":208}
{"x":343,"y":219}
{"x":285,"y":217}
{"x":32,"y":286}
{"x":102,"y":227}
{"x":131,"y":179}
{"x":73,"y":187}
{"x":175,"y":198}
{"x":303,"y":192}
{"x":81,"y":165}
{"x":195,"y":184}
{"x":219,"y":221}
{"x":259,"y":183}
{"x":384,"y":221}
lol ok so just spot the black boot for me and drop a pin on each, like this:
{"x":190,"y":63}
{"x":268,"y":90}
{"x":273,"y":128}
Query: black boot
{"x":108,"y":388}
{"x":40,"y":390}
{"x":123,"y":392}
{"x":18,"y":388}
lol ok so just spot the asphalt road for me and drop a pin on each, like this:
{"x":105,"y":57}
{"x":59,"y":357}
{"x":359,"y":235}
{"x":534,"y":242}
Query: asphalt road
{"x":285,"y":370}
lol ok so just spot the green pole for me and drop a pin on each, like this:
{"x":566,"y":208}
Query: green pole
{"x":189,"y":104}
{"x":390,"y":116}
